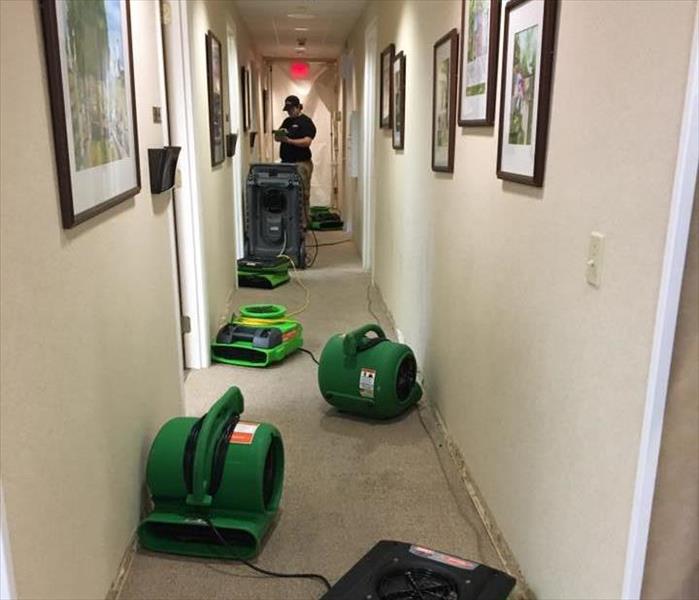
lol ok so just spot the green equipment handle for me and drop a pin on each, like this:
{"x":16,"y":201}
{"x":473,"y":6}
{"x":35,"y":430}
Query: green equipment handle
{"x":231,"y":403}
{"x":356,"y":341}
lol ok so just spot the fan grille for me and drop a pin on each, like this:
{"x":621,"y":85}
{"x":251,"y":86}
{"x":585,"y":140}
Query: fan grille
{"x":407,"y":374}
{"x":416,"y":584}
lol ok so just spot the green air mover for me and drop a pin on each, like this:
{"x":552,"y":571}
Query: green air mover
{"x":368,"y":376}
{"x":324,"y":218}
{"x":265,"y":273}
{"x":217,"y":471}
{"x":260,"y":336}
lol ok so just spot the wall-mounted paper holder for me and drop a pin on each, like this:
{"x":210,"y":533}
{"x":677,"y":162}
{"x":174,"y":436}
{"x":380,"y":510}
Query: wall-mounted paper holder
{"x":162,"y":164}
{"x":231,"y":139}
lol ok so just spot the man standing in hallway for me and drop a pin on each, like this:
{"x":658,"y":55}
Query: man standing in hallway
{"x":296,"y":145}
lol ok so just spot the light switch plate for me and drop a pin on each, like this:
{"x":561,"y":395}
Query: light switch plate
{"x":595,"y":256}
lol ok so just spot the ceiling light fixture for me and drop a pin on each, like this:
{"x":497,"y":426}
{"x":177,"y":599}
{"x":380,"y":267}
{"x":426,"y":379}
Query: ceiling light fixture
{"x":300,"y":16}
{"x":300,"y":28}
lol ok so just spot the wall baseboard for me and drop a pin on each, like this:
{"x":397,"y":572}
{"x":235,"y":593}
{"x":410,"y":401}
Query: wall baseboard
{"x":438,"y":431}
{"x":454,"y":461}
{"x":123,"y":570}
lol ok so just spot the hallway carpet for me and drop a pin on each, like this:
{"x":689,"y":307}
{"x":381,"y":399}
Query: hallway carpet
{"x":349,"y":482}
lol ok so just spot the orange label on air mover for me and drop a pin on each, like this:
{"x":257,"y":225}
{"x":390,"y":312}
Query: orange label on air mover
{"x":244,"y":433}
{"x":289,"y":335}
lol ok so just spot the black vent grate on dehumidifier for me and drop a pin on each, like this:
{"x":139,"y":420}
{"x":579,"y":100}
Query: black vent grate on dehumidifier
{"x":274,"y":200}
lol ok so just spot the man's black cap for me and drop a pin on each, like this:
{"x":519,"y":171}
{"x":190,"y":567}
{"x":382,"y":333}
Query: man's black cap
{"x":290,"y":102}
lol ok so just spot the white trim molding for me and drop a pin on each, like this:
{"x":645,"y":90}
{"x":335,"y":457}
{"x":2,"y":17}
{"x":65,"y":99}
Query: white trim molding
{"x":187,"y":196}
{"x":664,"y":334}
{"x":368,"y":127}
{"x":7,"y":578}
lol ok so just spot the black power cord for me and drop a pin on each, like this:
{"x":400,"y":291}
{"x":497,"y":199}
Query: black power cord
{"x":313,"y":358}
{"x":314,"y":576}
{"x":315,"y":247}
{"x":333,"y":243}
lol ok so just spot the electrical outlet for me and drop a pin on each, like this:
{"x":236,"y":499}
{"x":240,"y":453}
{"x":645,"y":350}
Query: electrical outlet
{"x":595,"y":254}
{"x":157,"y":115}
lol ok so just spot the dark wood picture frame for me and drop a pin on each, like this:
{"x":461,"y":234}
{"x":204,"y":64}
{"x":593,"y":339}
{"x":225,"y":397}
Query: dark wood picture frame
{"x":398,"y":116}
{"x":216,"y":133}
{"x":265,"y":109}
{"x":451,"y":38}
{"x":244,"y":98}
{"x":387,"y":56}
{"x":542,"y":102}
{"x":492,"y":79}
{"x":69,"y":217}
{"x":250,"y":106}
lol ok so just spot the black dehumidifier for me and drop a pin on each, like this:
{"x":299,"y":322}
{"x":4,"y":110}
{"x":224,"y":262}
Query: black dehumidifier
{"x":399,"y":571}
{"x":274,"y":213}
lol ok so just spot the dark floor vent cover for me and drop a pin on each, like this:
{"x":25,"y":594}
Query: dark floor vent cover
{"x":399,"y":571}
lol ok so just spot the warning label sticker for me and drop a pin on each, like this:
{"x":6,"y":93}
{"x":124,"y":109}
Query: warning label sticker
{"x":367,"y":379}
{"x":445,"y":559}
{"x":289,"y":335}
{"x":244,"y":433}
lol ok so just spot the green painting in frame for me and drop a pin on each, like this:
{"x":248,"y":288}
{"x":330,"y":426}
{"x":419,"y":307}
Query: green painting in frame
{"x":93,"y":108}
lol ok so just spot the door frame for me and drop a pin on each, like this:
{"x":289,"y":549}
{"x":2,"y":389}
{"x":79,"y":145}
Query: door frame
{"x":8,"y":591}
{"x":683,"y":190}
{"x":236,"y":126}
{"x":368,"y":144}
{"x":186,"y":194}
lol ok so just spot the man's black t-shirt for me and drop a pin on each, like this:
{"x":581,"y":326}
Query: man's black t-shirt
{"x":298,"y":127}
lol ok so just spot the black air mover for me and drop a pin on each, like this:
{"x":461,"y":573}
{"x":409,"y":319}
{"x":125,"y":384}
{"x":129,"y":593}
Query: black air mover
{"x":399,"y":571}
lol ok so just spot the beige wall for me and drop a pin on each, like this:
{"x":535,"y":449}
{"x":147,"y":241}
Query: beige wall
{"x":90,"y":366}
{"x":541,"y":378}
{"x":672,"y":560}
{"x":216,"y":187}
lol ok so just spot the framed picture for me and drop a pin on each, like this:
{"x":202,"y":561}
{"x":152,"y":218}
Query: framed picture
{"x":248,"y":98}
{"x":93,"y":106}
{"x":253,"y":99}
{"x":444,"y":101}
{"x":480,"y":30}
{"x":265,"y":110}
{"x":530,"y":31}
{"x":398,"y":102}
{"x":244,"y":98}
{"x":215,"y":85}
{"x":386,"y":87}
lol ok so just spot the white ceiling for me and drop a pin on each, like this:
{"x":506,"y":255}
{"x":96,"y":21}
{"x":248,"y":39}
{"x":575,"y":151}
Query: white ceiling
{"x":273,"y":30}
